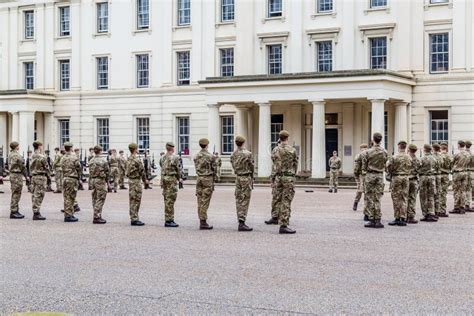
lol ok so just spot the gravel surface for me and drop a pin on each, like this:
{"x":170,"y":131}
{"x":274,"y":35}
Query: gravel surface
{"x":332,"y":265}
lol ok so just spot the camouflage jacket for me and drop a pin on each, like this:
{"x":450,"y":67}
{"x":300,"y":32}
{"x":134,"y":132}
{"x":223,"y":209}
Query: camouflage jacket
{"x":16,"y":163}
{"x":399,"y":165}
{"x":135,"y":169}
{"x":113,"y":161}
{"x":218,"y":162}
{"x":461,"y":161}
{"x":99,"y":168}
{"x":445,"y":163}
{"x":205,"y":163}
{"x":335,"y":163}
{"x":415,"y":166}
{"x":374,"y":160}
{"x":439,"y":161}
{"x":39,"y":165}
{"x":242,"y":162}
{"x":122,"y":163}
{"x":471,"y":165}
{"x":70,"y":165}
{"x":358,"y":164}
{"x":169,"y":165}
{"x":427,"y":165}
{"x":57,"y":161}
{"x":285,"y":161}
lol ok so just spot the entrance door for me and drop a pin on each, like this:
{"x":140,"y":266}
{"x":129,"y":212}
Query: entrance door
{"x":331,"y":144}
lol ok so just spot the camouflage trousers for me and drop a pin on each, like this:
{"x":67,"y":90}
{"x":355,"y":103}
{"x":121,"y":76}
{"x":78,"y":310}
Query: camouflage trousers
{"x":400,"y":190}
{"x":443,"y":193}
{"x":99,"y":193}
{"x":170,"y":194}
{"x":470,"y":188}
{"x":16,"y":183}
{"x":135,"y":190}
{"x":333,"y":179}
{"x":121,"y":177}
{"x":284,"y":193}
{"x":427,"y":192}
{"x":114,"y":173}
{"x":58,"y":178}
{"x":204,"y":189}
{"x":360,"y":181}
{"x":374,"y":185}
{"x":275,"y":198}
{"x":436,"y":193}
{"x":38,"y":186}
{"x":70,"y":187}
{"x":460,"y":186}
{"x":412,"y":193}
{"x":243,"y":192}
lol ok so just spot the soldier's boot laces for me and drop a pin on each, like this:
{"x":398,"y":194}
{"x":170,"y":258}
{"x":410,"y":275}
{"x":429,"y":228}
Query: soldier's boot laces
{"x":354,"y":207}
{"x":244,"y":228}
{"x":16,"y":215}
{"x":70,"y":219}
{"x":394,"y":222}
{"x":171,"y":224}
{"x":137,"y":223}
{"x":272,"y":221}
{"x":38,"y":217}
{"x":99,"y":220}
{"x":286,"y":230}
{"x":205,"y":226}
{"x":412,"y":220}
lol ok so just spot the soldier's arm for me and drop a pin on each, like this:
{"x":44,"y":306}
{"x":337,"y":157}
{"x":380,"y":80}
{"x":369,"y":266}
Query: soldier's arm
{"x":78,"y":167}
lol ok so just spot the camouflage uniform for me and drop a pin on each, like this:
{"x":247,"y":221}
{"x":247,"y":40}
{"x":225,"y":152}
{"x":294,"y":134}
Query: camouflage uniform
{"x":427,"y":183}
{"x":136,"y":174}
{"x":170,"y":175}
{"x":71,"y":168}
{"x":334,"y":168}
{"x":360,"y":180}
{"x":122,"y":167}
{"x":461,"y":163}
{"x":373,"y":164}
{"x":114,"y":170}
{"x":398,"y":168}
{"x":445,"y":166}
{"x":437,"y":175}
{"x":285,"y":165}
{"x":58,"y":174}
{"x":470,"y":185}
{"x":413,"y":186}
{"x":244,"y":166}
{"x":205,"y":164}
{"x":99,"y":172}
{"x":40,"y":173}
{"x":17,"y":169}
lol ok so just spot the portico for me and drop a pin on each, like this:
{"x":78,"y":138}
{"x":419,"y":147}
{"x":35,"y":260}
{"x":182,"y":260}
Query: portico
{"x":322,"y":111}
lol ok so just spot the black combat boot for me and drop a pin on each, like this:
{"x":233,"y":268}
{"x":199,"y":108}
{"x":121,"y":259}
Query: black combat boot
{"x":16,"y":215}
{"x":204,"y":225}
{"x":286,"y":230}
{"x":378,"y":224}
{"x":402,"y":222}
{"x":330,"y":190}
{"x":456,"y":211}
{"x":171,"y":224}
{"x":394,"y":222}
{"x":38,"y":217}
{"x":77,"y":209}
{"x":412,"y":220}
{"x":354,"y":207}
{"x":429,"y":218}
{"x":70,"y":219}
{"x":244,"y":228}
{"x":335,"y":190}
{"x":137,"y":223}
{"x":443,"y":215}
{"x":272,"y":221}
{"x":469,"y":209}
{"x":99,"y":220}
{"x":58,"y":191}
{"x":366,"y":218}
{"x":122,"y":187}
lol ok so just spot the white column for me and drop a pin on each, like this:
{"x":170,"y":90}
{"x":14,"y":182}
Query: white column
{"x":318,"y":150}
{"x":3,"y":131}
{"x":15,"y":127}
{"x":264,"y":140}
{"x":27,"y":128}
{"x":401,"y":123}
{"x":214,"y":128}
{"x":48,"y":130}
{"x":242,"y":121}
{"x":307,"y":142}
{"x":378,"y":117}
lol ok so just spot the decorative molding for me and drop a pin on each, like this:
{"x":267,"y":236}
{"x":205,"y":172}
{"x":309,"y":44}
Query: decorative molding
{"x":325,"y":33}
{"x":273,"y":37}
{"x":226,"y":38}
{"x":439,"y":22}
{"x":377,"y":9}
{"x":377,"y":29}
{"x":276,"y":18}
{"x":318,"y":14}
{"x":182,"y":42}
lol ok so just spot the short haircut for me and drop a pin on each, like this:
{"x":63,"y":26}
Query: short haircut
{"x":239,"y":144}
{"x":97,"y":150}
{"x":377,"y":139}
{"x":36,"y":145}
{"x":202,"y":146}
{"x":283,"y":138}
{"x":403,"y":146}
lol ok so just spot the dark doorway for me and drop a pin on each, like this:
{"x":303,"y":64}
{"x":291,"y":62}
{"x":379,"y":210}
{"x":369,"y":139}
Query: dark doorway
{"x":331,"y":144}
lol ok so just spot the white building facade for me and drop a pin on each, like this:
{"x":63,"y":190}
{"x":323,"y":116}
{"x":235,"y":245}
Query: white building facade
{"x":331,"y":72}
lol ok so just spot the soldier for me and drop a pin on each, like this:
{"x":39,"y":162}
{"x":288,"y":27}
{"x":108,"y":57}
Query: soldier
{"x":29,"y":153}
{"x":17,"y":169}
{"x":426,"y":173}
{"x":218,"y":166}
{"x":413,"y":184}
{"x":40,"y":174}
{"x":122,"y":163}
{"x":274,"y":212}
{"x":359,"y":178}
{"x":335,"y":165}
{"x":91,"y":155}
{"x":461,"y":163}
{"x":50,"y":171}
{"x":170,"y":177}
{"x":398,"y":168}
{"x":114,"y":169}
{"x":136,"y":174}
{"x":78,"y":154}
{"x":373,"y":164}
{"x":445,"y":165}
{"x":71,"y":168}
{"x":99,"y":172}
{"x":470,"y":186}
{"x":58,"y":178}
{"x":437,"y":174}
{"x":243,"y":165}
{"x":205,"y":164}
{"x":285,"y":165}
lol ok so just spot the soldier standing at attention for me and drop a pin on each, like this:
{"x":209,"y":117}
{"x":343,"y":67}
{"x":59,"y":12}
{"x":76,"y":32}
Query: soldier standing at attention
{"x":205,"y":164}
{"x":470,"y":187}
{"x":17,"y":169}
{"x":148,"y":169}
{"x":244,"y":166}
{"x":99,"y":172}
{"x":114,"y":169}
{"x":78,"y":155}
{"x":373,"y":164}
{"x":445,"y":165}
{"x":136,"y":174}
{"x":170,"y":176}
{"x":427,"y":184}
{"x":335,"y":165}
{"x":58,"y":178}
{"x":122,"y":163}
{"x":71,"y":168}
{"x":285,"y":165}
{"x":40,"y":174}
{"x":461,"y":163}
{"x":437,"y":174}
{"x":413,"y":184}
{"x":91,"y":155}
{"x":218,"y":167}
{"x":398,"y":168}
{"x":274,"y":212}
{"x":29,"y":153}
{"x":359,"y":177}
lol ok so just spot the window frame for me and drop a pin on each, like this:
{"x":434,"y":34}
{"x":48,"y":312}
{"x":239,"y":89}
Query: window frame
{"x":26,"y":76}
{"x":223,"y":65}
{"x":180,"y":10}
{"x":430,"y":52}
{"x":138,"y":70}
{"x":317,"y":57}
{"x":99,"y":72}
{"x":64,"y":32}
{"x":105,"y":18}
{"x":104,"y":144}
{"x":268,"y":59}
{"x":372,"y":6}
{"x":26,"y":27}
{"x":430,"y":125}
{"x":140,"y":133}
{"x":371,"y":57}
{"x":274,"y":14}
{"x":275,"y":128}
{"x":227,"y":137}
{"x":183,"y":81}
{"x":62,"y":138}
{"x":231,"y":12}
{"x":186,"y":136}
{"x":61,"y":73}
{"x":139,"y":26}
{"x":318,"y":7}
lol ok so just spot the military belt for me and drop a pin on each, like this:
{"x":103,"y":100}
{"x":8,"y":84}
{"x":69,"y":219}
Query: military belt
{"x":205,"y":175}
{"x":400,"y":175}
{"x":286,"y":174}
{"x":426,"y":175}
{"x":457,"y":171}
{"x":244,"y":174}
{"x":377,"y":172}
{"x":16,"y":172}
{"x":170,"y":175}
{"x":39,"y":174}
{"x":412,"y":178}
{"x":77,"y":178}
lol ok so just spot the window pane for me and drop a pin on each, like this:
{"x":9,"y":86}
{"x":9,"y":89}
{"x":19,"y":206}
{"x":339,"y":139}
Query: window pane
{"x":29,"y":75}
{"x":184,"y":12}
{"x":324,"y":56}
{"x":275,"y":128}
{"x":143,"y":133}
{"x":227,"y":132}
{"x":378,"y":50}
{"x":102,"y":17}
{"x":63,"y":132}
{"x":324,"y":5}
{"x":103,"y":133}
{"x":439,"y":52}
{"x":143,"y":14}
{"x":142,"y":71}
{"x":274,"y":8}
{"x":227,"y":10}
{"x":274,"y":59}
{"x":227,"y":62}
{"x":64,"y":74}
{"x":64,"y":21}
{"x":102,"y":72}
{"x":183,"y":68}
{"x":183,"y":135}
{"x":29,"y":18}
{"x":378,"y":3}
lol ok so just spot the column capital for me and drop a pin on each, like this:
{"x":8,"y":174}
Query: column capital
{"x":379,"y":100}
{"x":213,"y":105}
{"x":317,"y":101}
{"x":242,"y":107}
{"x":263,"y":104}
{"x":401,"y":103}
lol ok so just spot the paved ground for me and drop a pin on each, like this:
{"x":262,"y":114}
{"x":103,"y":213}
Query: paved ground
{"x":332,"y":265}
